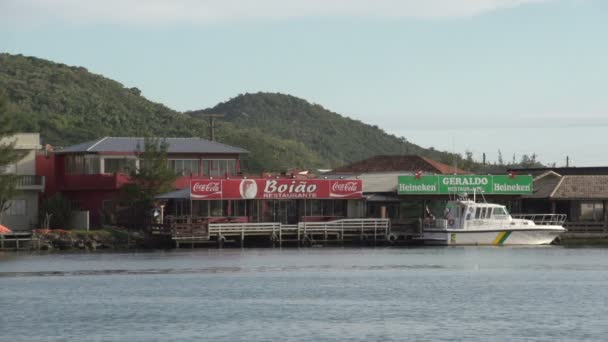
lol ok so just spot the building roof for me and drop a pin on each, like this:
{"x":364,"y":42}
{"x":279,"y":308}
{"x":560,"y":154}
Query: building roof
{"x":582,"y":187}
{"x":552,"y":185}
{"x":130,"y":144}
{"x":545,"y":184}
{"x":394,"y":163}
{"x":566,"y":171}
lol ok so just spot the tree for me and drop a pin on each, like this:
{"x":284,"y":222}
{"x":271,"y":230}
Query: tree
{"x":500,"y":160}
{"x":8,"y":156}
{"x":56,"y":212}
{"x":153,"y":177}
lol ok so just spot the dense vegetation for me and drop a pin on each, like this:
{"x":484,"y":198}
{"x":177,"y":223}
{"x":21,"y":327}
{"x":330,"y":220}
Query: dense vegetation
{"x":8,"y":156}
{"x":334,"y":138}
{"x":69,"y":105}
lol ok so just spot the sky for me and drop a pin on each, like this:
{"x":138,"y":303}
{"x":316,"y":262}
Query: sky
{"x":519,"y":76}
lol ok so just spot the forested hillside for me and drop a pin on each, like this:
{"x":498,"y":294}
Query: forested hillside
{"x":68,"y":105}
{"x":335,"y":138}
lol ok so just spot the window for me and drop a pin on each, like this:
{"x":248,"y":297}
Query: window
{"x":591,"y":211}
{"x":74,"y":164}
{"x":499,"y":212}
{"x":184,"y":167}
{"x":181,"y":207}
{"x":216,"y":208}
{"x":15,"y":207}
{"x":92,"y":165}
{"x":237,"y":208}
{"x":219,"y":167}
{"x":81,"y":164}
{"x":477,"y":213}
{"x":119,"y":165}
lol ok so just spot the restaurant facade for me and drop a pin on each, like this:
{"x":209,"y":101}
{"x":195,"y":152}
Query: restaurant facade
{"x":284,"y":199}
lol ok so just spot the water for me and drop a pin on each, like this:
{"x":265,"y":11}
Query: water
{"x":448,"y":294}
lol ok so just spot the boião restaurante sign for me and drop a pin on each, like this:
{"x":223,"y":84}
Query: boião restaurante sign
{"x":209,"y":189}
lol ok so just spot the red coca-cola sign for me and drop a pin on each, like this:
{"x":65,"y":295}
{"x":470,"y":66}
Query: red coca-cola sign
{"x":206,"y":189}
{"x":345,"y":188}
{"x":276,"y":189}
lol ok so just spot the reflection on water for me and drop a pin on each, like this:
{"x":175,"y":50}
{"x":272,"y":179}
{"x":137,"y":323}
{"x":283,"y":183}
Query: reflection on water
{"x":482,"y":294}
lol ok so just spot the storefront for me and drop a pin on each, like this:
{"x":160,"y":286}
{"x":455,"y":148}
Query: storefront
{"x":284,"y":200}
{"x":406,"y":198}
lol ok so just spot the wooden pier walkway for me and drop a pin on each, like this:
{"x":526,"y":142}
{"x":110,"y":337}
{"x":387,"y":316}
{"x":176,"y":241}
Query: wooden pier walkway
{"x":18,"y":241}
{"x":191,"y":232}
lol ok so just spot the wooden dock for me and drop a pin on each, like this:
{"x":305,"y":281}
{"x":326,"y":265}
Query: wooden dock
{"x":369,"y":231}
{"x":18,"y":241}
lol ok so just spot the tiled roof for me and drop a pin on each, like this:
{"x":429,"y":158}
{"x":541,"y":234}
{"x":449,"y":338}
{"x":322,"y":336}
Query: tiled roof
{"x":403,"y":163}
{"x":554,"y":186}
{"x":130,"y":144}
{"x":582,"y":187}
{"x":545,"y":184}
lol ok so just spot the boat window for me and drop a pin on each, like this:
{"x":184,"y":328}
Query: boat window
{"x":470,"y":212}
{"x":499,"y":211}
{"x":477,"y":213}
{"x":483,"y":212}
{"x":489,"y":213}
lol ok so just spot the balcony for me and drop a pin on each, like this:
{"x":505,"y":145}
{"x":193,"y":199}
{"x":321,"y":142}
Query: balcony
{"x":112,"y":181}
{"x":30,"y":182}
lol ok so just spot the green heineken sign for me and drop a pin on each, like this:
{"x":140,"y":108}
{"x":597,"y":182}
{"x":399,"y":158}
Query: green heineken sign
{"x":458,"y":184}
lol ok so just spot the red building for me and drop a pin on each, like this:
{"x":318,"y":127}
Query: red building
{"x":91,"y":174}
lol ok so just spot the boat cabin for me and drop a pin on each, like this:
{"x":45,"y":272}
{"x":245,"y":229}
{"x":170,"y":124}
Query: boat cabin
{"x":465,"y":214}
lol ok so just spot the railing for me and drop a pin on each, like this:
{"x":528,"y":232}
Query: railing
{"x":30,"y":181}
{"x":543,"y":219}
{"x":248,"y":228}
{"x":338,"y":229}
{"x":586,"y":227}
{"x":348,"y":226}
{"x":188,"y":227}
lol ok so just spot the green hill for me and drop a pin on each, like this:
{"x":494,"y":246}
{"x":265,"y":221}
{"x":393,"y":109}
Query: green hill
{"x":68,"y":105}
{"x":335,"y":138}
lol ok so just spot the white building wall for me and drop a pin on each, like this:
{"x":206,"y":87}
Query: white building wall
{"x":30,"y":144}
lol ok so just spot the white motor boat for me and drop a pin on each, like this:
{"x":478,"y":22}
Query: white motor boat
{"x":467,"y":222}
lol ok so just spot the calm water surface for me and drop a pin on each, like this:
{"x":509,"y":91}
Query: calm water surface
{"x":482,"y":294}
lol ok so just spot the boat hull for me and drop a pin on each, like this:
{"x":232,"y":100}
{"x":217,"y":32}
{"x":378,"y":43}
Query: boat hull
{"x":492,"y":237}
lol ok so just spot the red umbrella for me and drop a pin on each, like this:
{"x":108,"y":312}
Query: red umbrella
{"x":4,"y":230}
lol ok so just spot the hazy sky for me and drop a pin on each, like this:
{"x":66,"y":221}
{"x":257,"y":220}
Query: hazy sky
{"x":522,"y":76}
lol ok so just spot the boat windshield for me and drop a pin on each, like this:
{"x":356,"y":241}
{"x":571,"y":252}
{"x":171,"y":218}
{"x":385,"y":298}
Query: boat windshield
{"x":500,"y":211}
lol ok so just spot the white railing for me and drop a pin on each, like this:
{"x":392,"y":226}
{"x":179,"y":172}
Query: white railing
{"x":543,"y":219}
{"x":230,"y":228}
{"x":349,"y":226}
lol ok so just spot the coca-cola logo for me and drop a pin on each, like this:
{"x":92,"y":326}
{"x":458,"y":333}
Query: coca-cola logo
{"x":206,"y":187}
{"x":345,"y":187}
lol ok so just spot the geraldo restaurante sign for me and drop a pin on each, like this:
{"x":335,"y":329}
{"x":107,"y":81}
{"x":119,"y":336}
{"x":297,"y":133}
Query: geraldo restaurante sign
{"x":458,"y":184}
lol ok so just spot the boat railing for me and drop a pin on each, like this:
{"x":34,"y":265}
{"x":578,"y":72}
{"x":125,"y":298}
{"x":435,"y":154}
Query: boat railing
{"x":543,"y":219}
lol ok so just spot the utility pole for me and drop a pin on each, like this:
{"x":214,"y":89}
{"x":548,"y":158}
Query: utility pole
{"x":211,"y":118}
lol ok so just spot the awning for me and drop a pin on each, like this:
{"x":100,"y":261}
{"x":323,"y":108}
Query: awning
{"x":177,"y":194}
{"x":381,"y":198}
{"x":5,"y":230}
